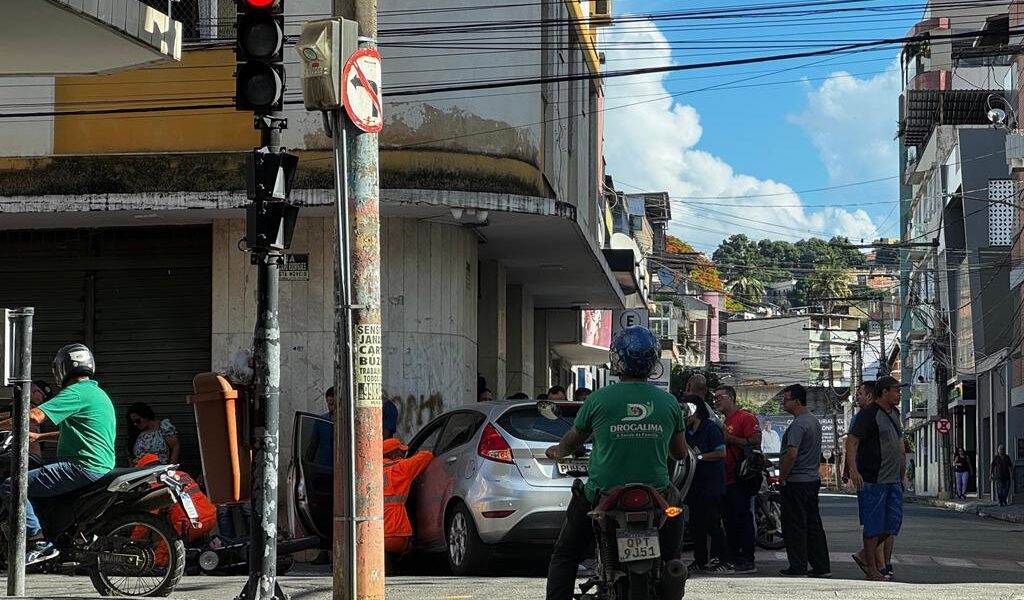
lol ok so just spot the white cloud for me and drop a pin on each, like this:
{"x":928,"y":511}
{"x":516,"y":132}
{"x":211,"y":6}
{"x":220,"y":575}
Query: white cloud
{"x":853,"y":123}
{"x":655,"y":145}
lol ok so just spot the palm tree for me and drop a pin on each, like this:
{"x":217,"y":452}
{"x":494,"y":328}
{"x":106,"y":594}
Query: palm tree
{"x":747,"y":287}
{"x":828,"y":282}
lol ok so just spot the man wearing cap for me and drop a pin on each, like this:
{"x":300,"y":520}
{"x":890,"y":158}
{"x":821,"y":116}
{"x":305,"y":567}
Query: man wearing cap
{"x":399,"y":473}
{"x":876,"y":461}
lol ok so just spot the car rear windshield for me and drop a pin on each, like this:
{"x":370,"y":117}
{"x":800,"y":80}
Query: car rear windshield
{"x":529,"y":425}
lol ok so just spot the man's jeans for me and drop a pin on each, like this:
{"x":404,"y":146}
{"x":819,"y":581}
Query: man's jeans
{"x":51,"y":480}
{"x":738,"y":515}
{"x":576,"y":542}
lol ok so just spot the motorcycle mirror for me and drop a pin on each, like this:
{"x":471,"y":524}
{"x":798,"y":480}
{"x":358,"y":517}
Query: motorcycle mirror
{"x":549,"y":410}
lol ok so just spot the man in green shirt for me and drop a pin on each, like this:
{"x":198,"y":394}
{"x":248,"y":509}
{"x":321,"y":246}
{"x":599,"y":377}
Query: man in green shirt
{"x":87,"y":428}
{"x":634,"y":428}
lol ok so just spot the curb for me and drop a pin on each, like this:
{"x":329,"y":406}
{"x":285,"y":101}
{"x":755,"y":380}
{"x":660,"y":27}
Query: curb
{"x":982,"y":509}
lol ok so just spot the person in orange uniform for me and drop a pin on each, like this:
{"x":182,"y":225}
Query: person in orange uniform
{"x":399,"y":473}
{"x":176,"y":515}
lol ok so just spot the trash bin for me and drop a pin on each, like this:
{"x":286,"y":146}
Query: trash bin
{"x":226,"y":462}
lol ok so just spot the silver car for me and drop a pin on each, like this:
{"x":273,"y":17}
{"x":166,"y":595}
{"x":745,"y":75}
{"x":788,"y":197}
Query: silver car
{"x":489,"y":488}
{"x":490,"y":484}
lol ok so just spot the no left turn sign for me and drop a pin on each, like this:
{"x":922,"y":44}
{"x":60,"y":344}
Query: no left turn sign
{"x":361,"y":90}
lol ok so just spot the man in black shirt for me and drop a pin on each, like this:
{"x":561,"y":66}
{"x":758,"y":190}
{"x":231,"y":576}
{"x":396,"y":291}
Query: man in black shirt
{"x":877,"y":462}
{"x":1002,"y":474}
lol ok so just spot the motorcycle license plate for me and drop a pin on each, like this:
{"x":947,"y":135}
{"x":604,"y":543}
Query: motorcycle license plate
{"x":189,"y":506}
{"x":638,"y":545}
{"x":565,"y":468}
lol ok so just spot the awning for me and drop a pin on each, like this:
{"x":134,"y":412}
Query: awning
{"x":76,"y":37}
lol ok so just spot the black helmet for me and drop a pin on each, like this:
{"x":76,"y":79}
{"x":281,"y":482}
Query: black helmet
{"x":73,"y":360}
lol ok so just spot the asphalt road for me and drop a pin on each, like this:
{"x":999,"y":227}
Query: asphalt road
{"x":941,"y":555}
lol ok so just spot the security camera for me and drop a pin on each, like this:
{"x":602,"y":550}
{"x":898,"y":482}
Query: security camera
{"x":997,"y":117}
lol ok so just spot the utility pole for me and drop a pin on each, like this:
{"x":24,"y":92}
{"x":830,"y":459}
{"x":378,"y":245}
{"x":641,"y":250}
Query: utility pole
{"x":20,"y":407}
{"x":883,"y":357}
{"x":940,"y":356}
{"x":361,"y":574}
{"x":270,"y":222}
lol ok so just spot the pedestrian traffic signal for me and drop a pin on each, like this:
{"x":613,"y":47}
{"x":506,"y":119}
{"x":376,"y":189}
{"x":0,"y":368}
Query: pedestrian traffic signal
{"x":259,"y":54}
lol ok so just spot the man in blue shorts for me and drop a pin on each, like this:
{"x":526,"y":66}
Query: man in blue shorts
{"x":876,"y":462}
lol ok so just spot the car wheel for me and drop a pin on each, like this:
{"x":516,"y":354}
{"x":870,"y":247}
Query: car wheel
{"x":467,"y":554}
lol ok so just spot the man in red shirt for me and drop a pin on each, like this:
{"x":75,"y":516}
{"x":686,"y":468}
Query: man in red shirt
{"x":742,"y":431}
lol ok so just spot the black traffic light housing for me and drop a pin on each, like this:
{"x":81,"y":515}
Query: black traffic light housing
{"x":259,"y":54}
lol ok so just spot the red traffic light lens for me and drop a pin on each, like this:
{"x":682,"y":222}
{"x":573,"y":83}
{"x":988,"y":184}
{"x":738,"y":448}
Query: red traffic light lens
{"x":258,"y":3}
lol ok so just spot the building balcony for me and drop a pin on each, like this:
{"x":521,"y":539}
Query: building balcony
{"x":920,"y":400}
{"x":947,"y":97}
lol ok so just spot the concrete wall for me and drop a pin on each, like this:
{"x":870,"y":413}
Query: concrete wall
{"x":429,"y":290}
{"x":773,"y":350}
{"x":429,"y":301}
{"x":306,"y":315}
{"x":520,"y":315}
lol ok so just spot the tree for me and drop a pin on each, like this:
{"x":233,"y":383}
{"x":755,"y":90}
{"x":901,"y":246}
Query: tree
{"x":703,"y":272}
{"x":747,"y":288}
{"x":681,"y":374}
{"x":851,"y":257}
{"x":825,"y":284}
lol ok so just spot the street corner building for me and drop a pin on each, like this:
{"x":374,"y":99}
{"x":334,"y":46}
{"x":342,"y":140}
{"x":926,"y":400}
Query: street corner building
{"x":122,"y":198}
{"x":962,"y":161}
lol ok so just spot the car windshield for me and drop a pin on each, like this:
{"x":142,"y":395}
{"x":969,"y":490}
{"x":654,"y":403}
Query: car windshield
{"x":529,"y":425}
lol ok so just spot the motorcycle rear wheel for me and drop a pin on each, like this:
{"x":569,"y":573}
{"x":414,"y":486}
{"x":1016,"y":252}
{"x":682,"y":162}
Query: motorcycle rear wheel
{"x":150,"y":538}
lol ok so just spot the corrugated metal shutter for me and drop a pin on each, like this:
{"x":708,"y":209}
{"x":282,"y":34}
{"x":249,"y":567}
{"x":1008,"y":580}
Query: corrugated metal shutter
{"x":140,"y":297}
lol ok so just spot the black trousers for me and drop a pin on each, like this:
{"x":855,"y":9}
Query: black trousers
{"x":802,"y":529}
{"x":576,"y":542}
{"x":739,"y":524}
{"x":705,"y":522}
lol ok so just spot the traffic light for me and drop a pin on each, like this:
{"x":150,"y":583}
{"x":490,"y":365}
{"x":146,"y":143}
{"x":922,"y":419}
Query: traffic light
{"x":259,"y":53}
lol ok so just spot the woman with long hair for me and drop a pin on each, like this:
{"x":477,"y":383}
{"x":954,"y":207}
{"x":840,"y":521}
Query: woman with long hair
{"x":962,"y":471}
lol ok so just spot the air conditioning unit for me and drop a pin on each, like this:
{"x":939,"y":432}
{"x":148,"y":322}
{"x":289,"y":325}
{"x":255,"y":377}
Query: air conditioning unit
{"x":601,"y":15}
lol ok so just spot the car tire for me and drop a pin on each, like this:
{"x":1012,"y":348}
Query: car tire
{"x":467,"y":553}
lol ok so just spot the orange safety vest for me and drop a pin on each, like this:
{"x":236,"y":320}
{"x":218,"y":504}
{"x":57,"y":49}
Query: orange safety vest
{"x":398,"y":477}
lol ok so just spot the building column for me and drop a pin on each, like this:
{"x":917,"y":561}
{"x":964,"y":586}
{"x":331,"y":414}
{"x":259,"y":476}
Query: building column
{"x":492,"y":327}
{"x":519,"y":339}
{"x":541,"y":353}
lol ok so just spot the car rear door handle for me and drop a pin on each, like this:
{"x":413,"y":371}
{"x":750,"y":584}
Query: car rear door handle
{"x":451,"y":459}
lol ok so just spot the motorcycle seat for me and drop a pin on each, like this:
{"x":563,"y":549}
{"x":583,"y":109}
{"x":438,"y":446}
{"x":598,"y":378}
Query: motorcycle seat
{"x":117,"y":478}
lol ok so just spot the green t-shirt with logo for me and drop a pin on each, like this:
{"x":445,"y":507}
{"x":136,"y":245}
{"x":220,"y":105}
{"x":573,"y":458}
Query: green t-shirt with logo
{"x":85,"y":417}
{"x":631,"y":424}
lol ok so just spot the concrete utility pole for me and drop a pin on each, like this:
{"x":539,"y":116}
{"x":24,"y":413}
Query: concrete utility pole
{"x":940,"y":354}
{"x":367,"y":580}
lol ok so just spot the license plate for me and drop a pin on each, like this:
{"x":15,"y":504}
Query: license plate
{"x":564,"y":468}
{"x":189,"y":506}
{"x":638,"y":545}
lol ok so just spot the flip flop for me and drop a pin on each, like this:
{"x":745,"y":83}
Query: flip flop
{"x":860,"y":563}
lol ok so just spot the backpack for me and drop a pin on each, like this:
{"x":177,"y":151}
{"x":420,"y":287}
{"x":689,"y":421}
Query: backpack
{"x":750,"y":470}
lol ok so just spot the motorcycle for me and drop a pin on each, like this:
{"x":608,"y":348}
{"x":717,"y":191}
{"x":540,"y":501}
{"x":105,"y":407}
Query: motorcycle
{"x":627,"y":519}
{"x":768,"y":512}
{"x":107,"y":530}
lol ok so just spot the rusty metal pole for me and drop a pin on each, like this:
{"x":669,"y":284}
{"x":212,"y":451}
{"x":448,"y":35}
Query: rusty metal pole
{"x":364,"y":207}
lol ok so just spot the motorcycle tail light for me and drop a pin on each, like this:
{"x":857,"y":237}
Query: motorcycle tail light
{"x":673,"y":512}
{"x":637,"y":498}
{"x":494,"y":447}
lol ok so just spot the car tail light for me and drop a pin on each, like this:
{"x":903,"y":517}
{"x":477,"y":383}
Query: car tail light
{"x":638,"y":498}
{"x":494,"y":447}
{"x":497,"y":514}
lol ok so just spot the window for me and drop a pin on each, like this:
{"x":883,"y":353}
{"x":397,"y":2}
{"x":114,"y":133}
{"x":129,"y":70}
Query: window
{"x":459,"y":430}
{"x":427,"y":439}
{"x":525,"y":423}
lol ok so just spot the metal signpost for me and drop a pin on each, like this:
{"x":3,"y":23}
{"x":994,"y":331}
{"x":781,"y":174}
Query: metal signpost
{"x":16,"y":370}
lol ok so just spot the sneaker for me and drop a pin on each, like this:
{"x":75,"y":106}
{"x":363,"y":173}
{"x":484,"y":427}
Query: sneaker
{"x":38,"y":551}
{"x":820,"y":575}
{"x":792,"y":573}
{"x":717,"y":567}
{"x":745,"y":567}
{"x":887,"y":572}
{"x":696,"y":567}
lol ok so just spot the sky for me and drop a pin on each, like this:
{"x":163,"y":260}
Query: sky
{"x":769,"y":134}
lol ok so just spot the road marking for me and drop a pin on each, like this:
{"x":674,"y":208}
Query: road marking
{"x":954,"y":562}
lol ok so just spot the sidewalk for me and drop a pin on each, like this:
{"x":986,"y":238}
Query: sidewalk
{"x":983,"y":508}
